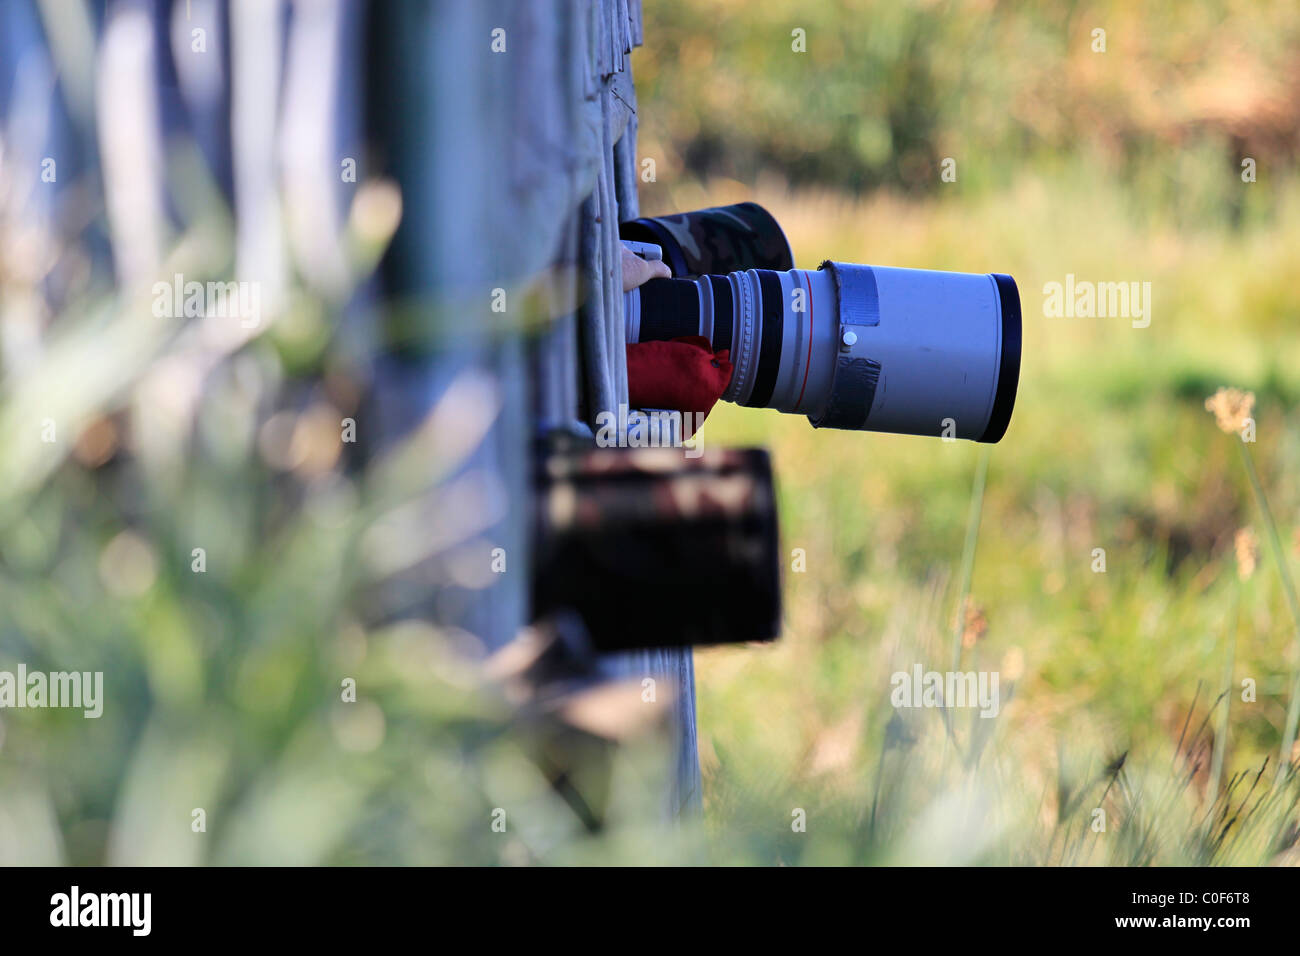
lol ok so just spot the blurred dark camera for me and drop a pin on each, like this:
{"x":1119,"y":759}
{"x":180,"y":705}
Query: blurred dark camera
{"x":654,"y":549}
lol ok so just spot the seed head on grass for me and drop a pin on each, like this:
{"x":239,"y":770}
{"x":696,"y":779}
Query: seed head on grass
{"x":1231,"y":407}
{"x":974,"y":624}
{"x":1247,"y":547}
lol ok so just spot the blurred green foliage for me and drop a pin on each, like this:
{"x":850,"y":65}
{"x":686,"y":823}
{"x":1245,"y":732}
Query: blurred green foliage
{"x":1123,"y":164}
{"x":224,"y":687}
{"x":885,"y":91}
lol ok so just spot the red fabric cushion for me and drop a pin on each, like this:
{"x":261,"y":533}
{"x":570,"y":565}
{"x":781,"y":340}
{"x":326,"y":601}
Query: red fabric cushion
{"x":685,"y":375}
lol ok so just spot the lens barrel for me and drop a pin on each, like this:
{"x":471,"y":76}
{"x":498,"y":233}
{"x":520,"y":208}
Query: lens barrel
{"x":873,"y":348}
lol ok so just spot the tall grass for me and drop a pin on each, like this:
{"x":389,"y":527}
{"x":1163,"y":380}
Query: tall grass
{"x":1113,"y":682}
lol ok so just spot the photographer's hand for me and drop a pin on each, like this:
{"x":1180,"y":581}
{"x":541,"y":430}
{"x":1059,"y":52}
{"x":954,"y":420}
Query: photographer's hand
{"x":637,"y":271}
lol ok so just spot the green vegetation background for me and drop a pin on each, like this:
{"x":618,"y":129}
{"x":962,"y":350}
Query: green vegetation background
{"x":1122,"y":165}
{"x":1120,"y":690}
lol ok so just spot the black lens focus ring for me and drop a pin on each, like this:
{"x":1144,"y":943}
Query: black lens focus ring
{"x":744,"y":344}
{"x":769,"y":350}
